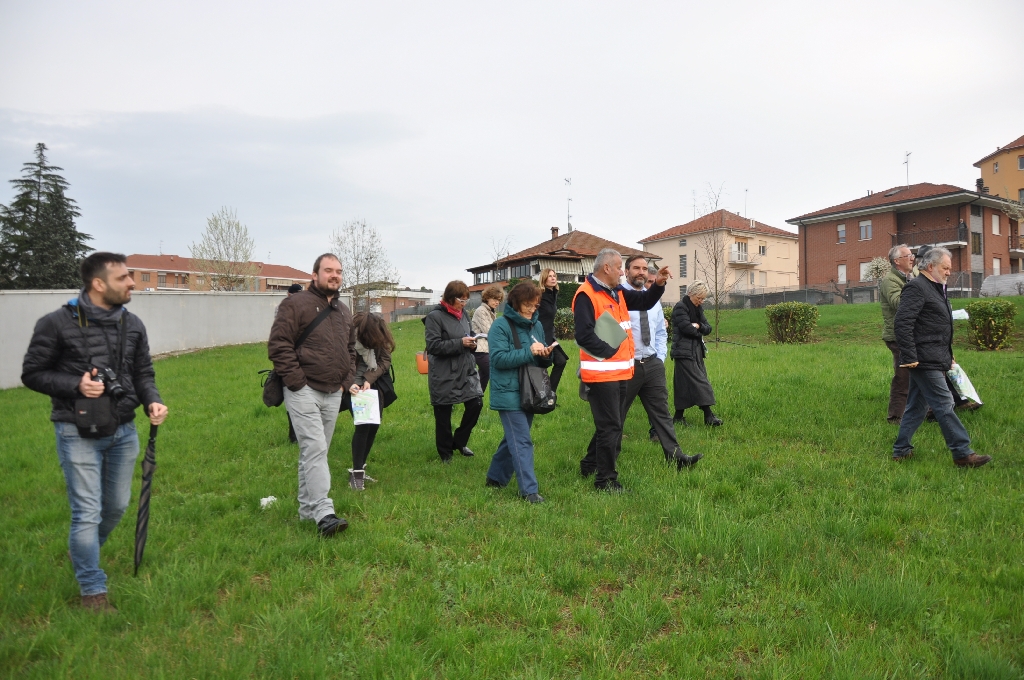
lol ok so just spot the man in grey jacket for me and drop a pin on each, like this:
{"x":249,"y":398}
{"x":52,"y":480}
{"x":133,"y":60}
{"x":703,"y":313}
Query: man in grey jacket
{"x":890,"y":288}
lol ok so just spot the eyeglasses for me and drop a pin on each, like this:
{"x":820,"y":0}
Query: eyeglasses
{"x":462,"y":300}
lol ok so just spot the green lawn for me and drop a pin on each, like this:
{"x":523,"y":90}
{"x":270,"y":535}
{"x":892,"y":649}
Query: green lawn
{"x":796,"y":548}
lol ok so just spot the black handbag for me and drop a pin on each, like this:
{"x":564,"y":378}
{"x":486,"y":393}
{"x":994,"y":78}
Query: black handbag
{"x":385,"y":385}
{"x":535,"y":393}
{"x":273,"y":386}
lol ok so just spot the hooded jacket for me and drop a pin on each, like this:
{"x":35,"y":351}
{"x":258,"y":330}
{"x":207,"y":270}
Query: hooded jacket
{"x":889,"y":289}
{"x":62,"y":349}
{"x":506,"y":359}
{"x":451,"y":373}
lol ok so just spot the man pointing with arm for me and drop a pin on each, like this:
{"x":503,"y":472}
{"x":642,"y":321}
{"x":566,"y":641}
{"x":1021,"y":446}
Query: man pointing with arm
{"x":606,"y":369}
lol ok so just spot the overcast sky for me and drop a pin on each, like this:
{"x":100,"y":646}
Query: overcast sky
{"x":448,"y":124}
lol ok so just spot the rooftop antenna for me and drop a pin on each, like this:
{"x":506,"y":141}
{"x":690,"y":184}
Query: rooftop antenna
{"x":906,"y":162}
{"x":568,"y":203}
{"x":161,"y":247}
{"x":745,"y":214}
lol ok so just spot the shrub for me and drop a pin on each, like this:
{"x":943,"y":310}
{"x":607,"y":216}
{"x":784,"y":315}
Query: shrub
{"x":667,"y":311}
{"x":791,"y":321}
{"x":565,"y":325}
{"x":878,"y":268}
{"x":566,"y":291}
{"x":991,"y":323}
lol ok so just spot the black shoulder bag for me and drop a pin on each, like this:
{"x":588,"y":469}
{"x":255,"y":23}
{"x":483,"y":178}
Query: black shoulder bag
{"x":535,"y":393}
{"x":273,"y":386}
{"x":96,"y":417}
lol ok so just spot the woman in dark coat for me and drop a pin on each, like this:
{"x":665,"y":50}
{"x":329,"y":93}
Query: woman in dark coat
{"x":546,"y":316}
{"x":690,"y":382}
{"x":452,"y":374}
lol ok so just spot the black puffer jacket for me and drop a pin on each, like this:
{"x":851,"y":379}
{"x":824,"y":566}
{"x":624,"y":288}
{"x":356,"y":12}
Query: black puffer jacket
{"x":546,"y":313}
{"x":687,"y":341}
{"x":61,"y":351}
{"x":452,"y":373}
{"x":924,"y":325}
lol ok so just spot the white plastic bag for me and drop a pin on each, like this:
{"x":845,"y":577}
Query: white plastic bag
{"x":960,"y":315}
{"x":366,"y":408}
{"x":958,"y":376}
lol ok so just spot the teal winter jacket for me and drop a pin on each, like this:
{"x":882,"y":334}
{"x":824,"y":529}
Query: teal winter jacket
{"x":506,"y":359}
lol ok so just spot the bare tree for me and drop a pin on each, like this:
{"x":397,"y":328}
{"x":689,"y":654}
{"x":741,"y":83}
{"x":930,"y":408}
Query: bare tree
{"x":364,"y":261}
{"x":224,"y":253}
{"x":712,"y":257}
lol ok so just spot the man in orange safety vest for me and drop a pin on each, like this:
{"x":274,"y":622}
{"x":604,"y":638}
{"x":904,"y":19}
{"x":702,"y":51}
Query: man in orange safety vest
{"x":606,"y":369}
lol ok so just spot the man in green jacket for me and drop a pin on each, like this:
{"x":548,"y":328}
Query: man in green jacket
{"x":890,"y":288}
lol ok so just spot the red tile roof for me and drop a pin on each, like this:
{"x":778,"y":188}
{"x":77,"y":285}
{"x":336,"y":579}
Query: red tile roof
{"x":1015,"y":144}
{"x":715,"y":220}
{"x":572,"y":246}
{"x":890,"y":197}
{"x":174,"y":263}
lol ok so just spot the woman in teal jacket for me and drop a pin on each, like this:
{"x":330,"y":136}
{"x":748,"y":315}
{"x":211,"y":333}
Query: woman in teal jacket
{"x":515,"y":452}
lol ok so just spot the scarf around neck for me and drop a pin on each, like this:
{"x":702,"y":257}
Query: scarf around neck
{"x":457,"y":313}
{"x":368,"y":356}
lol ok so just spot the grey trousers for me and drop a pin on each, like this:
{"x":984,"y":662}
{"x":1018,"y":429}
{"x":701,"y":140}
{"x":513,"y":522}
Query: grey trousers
{"x":649,"y":383}
{"x":313,"y":416}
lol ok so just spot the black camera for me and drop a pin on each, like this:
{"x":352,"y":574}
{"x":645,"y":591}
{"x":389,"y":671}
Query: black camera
{"x":111,"y":384}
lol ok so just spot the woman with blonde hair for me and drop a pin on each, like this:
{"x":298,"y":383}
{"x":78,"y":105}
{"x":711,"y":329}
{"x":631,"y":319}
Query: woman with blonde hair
{"x":483,"y":317}
{"x":690,"y":380}
{"x":546,"y":315}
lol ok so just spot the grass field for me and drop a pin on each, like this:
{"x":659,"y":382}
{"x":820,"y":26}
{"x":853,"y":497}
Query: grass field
{"x":796,"y":548}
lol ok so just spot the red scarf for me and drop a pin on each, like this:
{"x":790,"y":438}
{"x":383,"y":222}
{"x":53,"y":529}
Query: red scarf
{"x":457,"y":313}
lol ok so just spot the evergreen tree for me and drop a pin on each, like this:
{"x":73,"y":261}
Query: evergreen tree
{"x":40,"y":247}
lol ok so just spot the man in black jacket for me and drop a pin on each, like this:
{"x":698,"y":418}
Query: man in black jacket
{"x":92,"y":358}
{"x":924,"y":332}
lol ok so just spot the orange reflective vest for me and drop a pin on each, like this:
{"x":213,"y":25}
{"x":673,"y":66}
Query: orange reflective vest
{"x":620,"y":365}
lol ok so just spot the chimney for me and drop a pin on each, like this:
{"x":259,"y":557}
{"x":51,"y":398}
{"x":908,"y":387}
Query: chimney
{"x":554,"y":233}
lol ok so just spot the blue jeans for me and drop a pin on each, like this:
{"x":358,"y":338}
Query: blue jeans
{"x":98,"y":474}
{"x":515,"y":453}
{"x":928,"y":388}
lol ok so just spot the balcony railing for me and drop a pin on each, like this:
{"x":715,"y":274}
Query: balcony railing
{"x":948,"y":237}
{"x":742,"y":258}
{"x":1015,"y":244}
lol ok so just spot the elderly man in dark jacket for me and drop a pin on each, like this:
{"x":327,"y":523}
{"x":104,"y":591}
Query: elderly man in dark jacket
{"x":452,"y":375}
{"x":78,"y":356}
{"x":314,"y":373}
{"x":924,"y":332}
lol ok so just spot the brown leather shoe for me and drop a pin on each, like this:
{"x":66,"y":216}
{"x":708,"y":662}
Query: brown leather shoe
{"x":98,"y":603}
{"x":967,"y":406}
{"x":973,"y":460}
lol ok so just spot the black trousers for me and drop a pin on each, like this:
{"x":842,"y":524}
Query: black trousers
{"x":558,"y":359}
{"x":446,"y":441}
{"x":483,"y":366}
{"x":362,"y":442}
{"x":650,"y":385}
{"x":603,"y":450}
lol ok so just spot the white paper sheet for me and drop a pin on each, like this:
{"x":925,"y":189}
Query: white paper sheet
{"x":366,"y":408}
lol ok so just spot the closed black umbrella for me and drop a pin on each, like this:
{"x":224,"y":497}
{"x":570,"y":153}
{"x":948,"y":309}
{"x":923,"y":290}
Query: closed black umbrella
{"x":142,"y":521}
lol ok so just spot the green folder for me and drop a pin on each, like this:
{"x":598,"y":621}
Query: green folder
{"x":609,"y":330}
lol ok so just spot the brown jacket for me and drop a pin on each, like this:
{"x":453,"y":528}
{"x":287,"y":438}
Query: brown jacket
{"x":326,"y":360}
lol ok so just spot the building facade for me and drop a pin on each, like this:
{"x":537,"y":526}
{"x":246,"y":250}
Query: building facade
{"x":837,"y":243}
{"x":1002,"y":171}
{"x":570,"y":255}
{"x":171,"y":272}
{"x":752,"y":256}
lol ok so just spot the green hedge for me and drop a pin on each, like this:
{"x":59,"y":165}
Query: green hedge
{"x":565,"y":325}
{"x":791,"y":321}
{"x":990,"y":323}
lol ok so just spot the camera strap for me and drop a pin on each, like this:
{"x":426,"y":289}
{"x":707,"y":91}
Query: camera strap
{"x":114,"y":361}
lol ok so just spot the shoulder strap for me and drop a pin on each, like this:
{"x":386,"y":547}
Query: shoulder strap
{"x":312,"y":326}
{"x":515,"y":336}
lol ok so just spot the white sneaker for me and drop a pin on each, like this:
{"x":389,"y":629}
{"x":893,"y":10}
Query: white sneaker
{"x":368,"y":478}
{"x":355,"y":480}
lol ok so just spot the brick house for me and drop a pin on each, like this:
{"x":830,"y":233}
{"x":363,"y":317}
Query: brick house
{"x":571,"y":255}
{"x":759,"y":256}
{"x":1003,"y":171}
{"x":837,"y":243}
{"x":170,"y":272}
{"x":388,"y":300}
